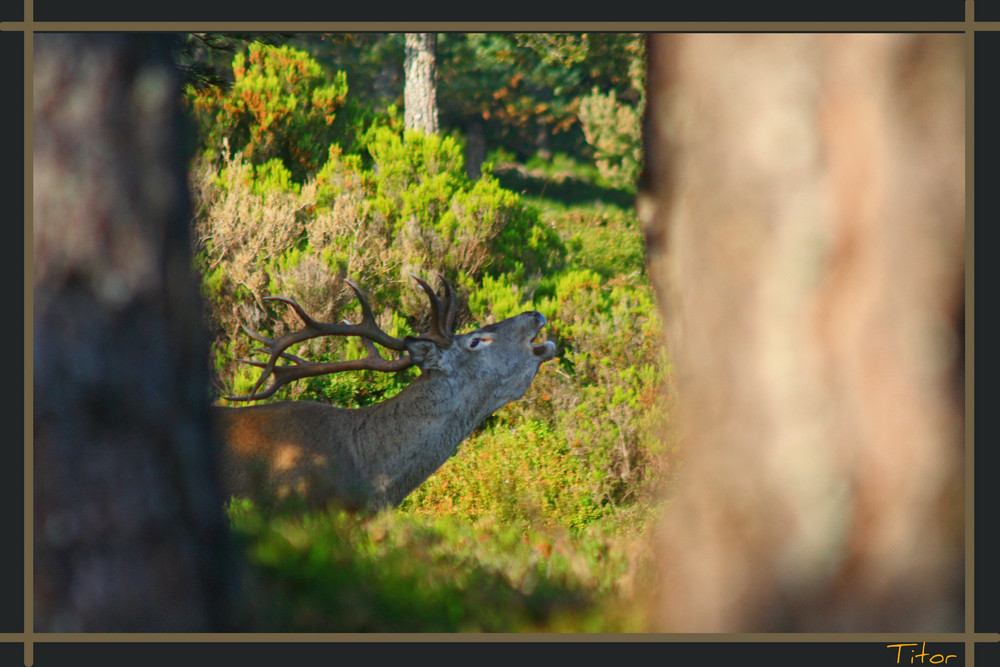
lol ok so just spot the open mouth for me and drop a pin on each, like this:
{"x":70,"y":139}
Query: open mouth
{"x":547,"y":349}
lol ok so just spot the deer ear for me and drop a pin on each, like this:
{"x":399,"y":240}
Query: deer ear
{"x":425,"y":354}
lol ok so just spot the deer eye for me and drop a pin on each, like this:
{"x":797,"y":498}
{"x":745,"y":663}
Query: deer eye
{"x":480,"y":341}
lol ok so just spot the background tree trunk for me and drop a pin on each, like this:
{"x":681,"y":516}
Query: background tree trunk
{"x":129,"y":533}
{"x":419,"y":88}
{"x":475,"y":147}
{"x":804,"y":211}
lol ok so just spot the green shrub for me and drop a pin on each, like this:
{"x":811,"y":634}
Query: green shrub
{"x":613,"y":129}
{"x":436,"y":211}
{"x":522,"y":474}
{"x":273,"y":176}
{"x":613,"y":414}
{"x":603,"y":238}
{"x":282,"y":105}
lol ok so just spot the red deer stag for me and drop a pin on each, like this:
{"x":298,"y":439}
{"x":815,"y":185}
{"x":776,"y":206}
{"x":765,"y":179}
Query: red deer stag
{"x":371,"y":458}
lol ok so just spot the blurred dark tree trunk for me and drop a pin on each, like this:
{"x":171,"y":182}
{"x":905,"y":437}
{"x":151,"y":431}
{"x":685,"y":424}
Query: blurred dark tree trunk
{"x":803,"y":203}
{"x":420,"y":110}
{"x":129,"y":533}
{"x":475,"y":147}
{"x":543,"y":141}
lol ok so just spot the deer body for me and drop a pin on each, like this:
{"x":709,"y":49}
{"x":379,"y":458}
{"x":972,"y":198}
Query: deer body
{"x":371,"y":458}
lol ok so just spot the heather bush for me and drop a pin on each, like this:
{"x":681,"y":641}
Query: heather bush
{"x":613,"y":129}
{"x":603,"y":395}
{"x":613,"y":125}
{"x":469,"y":227}
{"x":282,"y":104}
{"x":520,"y":472}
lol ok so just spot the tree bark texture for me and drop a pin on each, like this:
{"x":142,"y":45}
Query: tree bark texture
{"x":419,"y":87}
{"x":804,"y":203}
{"x":128,"y":528}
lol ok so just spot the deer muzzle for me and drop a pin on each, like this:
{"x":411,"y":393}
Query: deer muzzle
{"x":546,"y":350}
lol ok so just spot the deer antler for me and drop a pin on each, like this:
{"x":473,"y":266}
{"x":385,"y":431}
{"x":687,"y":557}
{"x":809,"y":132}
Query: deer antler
{"x":441,"y":334}
{"x":442,"y":322}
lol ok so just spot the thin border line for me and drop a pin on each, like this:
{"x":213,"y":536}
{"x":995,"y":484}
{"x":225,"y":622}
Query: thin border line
{"x":969,"y":27}
{"x":624,"y":26}
{"x":969,"y":398}
{"x":29,"y":450}
{"x":463,"y":637}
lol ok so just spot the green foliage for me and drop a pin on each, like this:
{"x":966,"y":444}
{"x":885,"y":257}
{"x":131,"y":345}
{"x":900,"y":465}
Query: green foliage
{"x":614,"y":130}
{"x":472,"y":227}
{"x":609,"y":96}
{"x":273,"y":176}
{"x":281,"y":105}
{"x":613,"y":353}
{"x":605,"y":239}
{"x":413,"y":211}
{"x":402,"y":572}
{"x":371,"y":57}
{"x":523,"y":475}
{"x":206,"y":58}
{"x":524,"y":89}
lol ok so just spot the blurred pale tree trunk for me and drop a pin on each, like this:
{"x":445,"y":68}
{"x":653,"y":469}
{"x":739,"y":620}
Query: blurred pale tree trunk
{"x":128,"y":525}
{"x":420,"y":110}
{"x":804,"y":209}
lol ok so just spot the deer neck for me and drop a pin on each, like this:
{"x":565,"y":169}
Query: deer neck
{"x":408,"y":437}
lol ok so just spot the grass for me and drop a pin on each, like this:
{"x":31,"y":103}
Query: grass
{"x":595,"y":221}
{"x":562,"y":180}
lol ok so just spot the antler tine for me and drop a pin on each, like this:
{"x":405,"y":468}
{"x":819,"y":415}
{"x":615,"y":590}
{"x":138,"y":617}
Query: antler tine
{"x":441,"y":331}
{"x":303,"y":369}
{"x":268,"y":367}
{"x":367,"y":329}
{"x":366,"y":310}
{"x":451,"y":307}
